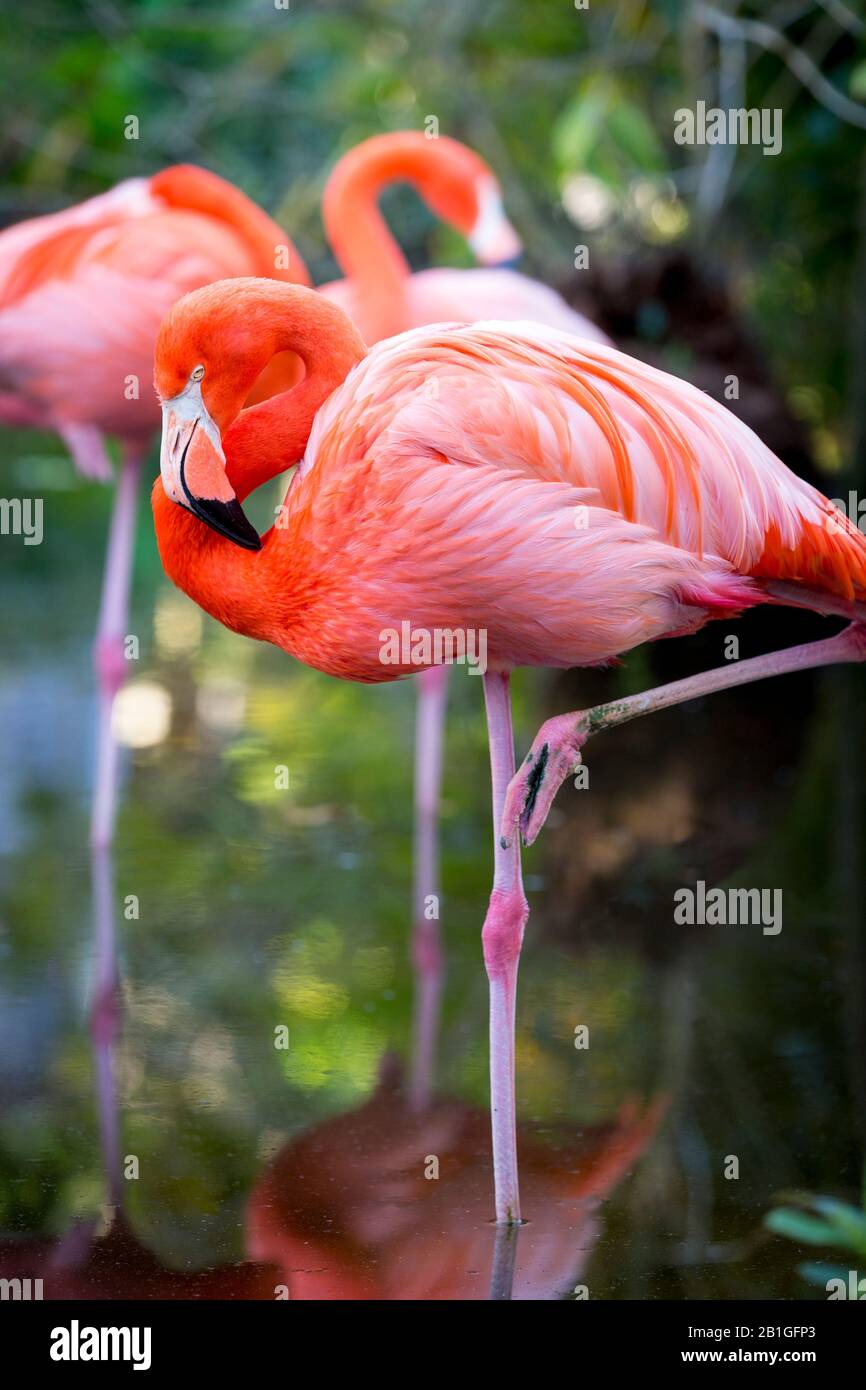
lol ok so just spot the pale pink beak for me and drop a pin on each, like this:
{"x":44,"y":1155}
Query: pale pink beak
{"x":493,"y":239}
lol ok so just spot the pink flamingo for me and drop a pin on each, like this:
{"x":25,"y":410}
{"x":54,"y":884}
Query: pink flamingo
{"x":379,"y":292}
{"x":384,"y":298}
{"x":556,"y":495}
{"x":82,"y":294}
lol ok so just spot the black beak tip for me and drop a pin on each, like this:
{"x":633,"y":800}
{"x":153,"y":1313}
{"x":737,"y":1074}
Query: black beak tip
{"x":227,"y":519}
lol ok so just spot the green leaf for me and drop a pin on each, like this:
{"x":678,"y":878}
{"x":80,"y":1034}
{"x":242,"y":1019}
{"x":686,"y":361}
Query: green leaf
{"x":820,"y":1273}
{"x":796,"y":1225}
{"x":636,"y":137}
{"x":848,"y":1222}
{"x":857,"y":81}
{"x":578,"y":128}
{"x":600,"y":132}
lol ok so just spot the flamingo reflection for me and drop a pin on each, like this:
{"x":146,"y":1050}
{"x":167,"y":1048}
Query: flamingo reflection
{"x":103,"y":1258}
{"x":386,"y":1202}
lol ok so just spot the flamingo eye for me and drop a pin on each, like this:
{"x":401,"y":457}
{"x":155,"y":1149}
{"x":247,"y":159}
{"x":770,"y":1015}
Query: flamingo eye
{"x":197,"y":373}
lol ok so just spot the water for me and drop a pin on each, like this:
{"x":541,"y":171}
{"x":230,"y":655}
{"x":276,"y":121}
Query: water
{"x":249,"y":915}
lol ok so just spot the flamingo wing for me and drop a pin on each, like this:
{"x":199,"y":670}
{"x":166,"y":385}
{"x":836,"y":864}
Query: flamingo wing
{"x":658,"y":451}
{"x":438,"y":488}
{"x":25,"y":247}
{"x":79,"y":350}
{"x":567,"y":500}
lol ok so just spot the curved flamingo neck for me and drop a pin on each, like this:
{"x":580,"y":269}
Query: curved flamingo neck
{"x":264,"y":439}
{"x":259,"y":442}
{"x":359,"y":237}
{"x":227,"y":582}
{"x":198,"y":190}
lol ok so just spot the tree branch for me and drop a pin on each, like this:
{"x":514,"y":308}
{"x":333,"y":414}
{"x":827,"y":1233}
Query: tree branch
{"x":800,"y":64}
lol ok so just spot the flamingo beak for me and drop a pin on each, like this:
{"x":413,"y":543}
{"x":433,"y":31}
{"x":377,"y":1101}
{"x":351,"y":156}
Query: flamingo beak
{"x":493,"y":239}
{"x":193,"y":468}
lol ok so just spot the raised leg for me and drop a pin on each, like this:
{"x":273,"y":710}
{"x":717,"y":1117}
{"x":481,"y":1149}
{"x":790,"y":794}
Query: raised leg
{"x":501,"y":938}
{"x":557,"y":747}
{"x":109,"y":658}
{"x":426,"y":940}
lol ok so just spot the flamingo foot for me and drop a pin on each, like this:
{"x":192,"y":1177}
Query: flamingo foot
{"x":555,"y":753}
{"x":556,"y":750}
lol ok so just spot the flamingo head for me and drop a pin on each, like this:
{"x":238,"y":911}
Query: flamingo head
{"x":205,"y":363}
{"x":461,"y":189}
{"x":193,"y":465}
{"x":213,"y":352}
{"x":492,"y":237}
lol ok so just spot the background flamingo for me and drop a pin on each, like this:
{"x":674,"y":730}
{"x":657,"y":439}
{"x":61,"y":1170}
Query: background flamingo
{"x":380,"y":293}
{"x":568,"y":500}
{"x":103,"y":1257}
{"x":82,"y":294}
{"x":384,"y":297}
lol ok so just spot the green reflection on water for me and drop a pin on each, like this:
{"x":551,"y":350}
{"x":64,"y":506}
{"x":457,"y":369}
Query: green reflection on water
{"x":262,"y":906}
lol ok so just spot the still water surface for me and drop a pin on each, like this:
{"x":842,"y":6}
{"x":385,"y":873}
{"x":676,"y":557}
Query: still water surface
{"x":196,"y":1156}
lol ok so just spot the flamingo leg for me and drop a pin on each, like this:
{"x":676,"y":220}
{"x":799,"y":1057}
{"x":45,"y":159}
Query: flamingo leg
{"x":105,"y":1019}
{"x":109,"y":658}
{"x":504,"y":1263}
{"x":86,"y":444}
{"x":556,"y":750}
{"x":426,"y":939}
{"x":501,"y":939}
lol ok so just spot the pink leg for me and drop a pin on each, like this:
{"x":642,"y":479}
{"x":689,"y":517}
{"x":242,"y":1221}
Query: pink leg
{"x":89,"y":454}
{"x":104,"y":1019}
{"x":110,"y":633}
{"x":501,"y":938}
{"x":426,"y":942}
{"x":556,"y":749}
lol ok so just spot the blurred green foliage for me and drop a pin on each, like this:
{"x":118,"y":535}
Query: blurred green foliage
{"x":812,"y":1220}
{"x":548,"y":92}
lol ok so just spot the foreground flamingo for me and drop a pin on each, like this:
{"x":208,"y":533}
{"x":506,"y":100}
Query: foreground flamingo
{"x":384,"y":298}
{"x":82,"y":294}
{"x":556,"y":495}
